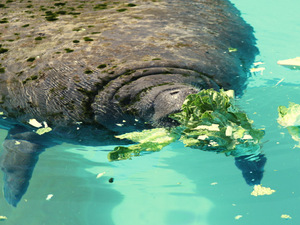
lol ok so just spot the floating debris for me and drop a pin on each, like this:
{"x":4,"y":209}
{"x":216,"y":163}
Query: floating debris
{"x":49,"y":197}
{"x":279,"y":81}
{"x":238,"y":217}
{"x":214,"y":183}
{"x":260,"y":69}
{"x":293,"y":64}
{"x":289,"y":116}
{"x":260,"y":190}
{"x":232,"y":49}
{"x":44,"y":130}
{"x":286,"y":216}
{"x":35,"y":123}
{"x":17,"y":143}
{"x":3,"y":218}
{"x":111,"y":180}
{"x":257,"y":63}
{"x":100,"y":174}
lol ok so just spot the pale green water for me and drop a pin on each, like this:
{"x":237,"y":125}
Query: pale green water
{"x":179,"y":185}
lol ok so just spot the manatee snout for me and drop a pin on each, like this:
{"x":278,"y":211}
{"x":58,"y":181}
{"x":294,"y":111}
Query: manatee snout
{"x":169,"y":101}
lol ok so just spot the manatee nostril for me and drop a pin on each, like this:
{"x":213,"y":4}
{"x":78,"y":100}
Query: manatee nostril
{"x":174,"y":92}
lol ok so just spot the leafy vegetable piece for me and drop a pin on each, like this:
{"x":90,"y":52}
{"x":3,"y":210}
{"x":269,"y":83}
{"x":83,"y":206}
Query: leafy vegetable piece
{"x":43,"y":130}
{"x":209,"y":121}
{"x":34,"y":123}
{"x":149,"y":140}
{"x":2,"y":218}
{"x":286,"y":216}
{"x":232,"y":49}
{"x":295,"y":133}
{"x":260,"y":190}
{"x":211,"y":109}
{"x":289,"y":116}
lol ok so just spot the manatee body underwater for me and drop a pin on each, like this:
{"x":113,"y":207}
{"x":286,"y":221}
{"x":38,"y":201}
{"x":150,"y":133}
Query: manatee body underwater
{"x":93,"y":69}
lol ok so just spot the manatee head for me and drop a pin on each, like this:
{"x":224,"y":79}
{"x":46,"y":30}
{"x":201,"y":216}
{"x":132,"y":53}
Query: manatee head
{"x":147,"y":94}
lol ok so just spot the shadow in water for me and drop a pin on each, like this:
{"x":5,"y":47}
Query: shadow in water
{"x":78,"y":197}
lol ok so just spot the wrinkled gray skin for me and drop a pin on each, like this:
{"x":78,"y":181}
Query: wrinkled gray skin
{"x":130,"y":70}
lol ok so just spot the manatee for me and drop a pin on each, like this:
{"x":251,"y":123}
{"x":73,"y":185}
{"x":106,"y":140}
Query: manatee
{"x":92,"y":69}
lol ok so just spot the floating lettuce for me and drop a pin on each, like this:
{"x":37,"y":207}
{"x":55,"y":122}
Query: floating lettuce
{"x":290,"y":118}
{"x":212,"y":122}
{"x":149,"y":140}
{"x":209,"y":121}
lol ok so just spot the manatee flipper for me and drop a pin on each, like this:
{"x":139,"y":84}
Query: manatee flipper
{"x":21,"y":150}
{"x":252,"y":170}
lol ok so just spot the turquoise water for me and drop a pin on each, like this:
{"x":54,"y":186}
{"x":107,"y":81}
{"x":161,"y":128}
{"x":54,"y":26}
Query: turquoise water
{"x":182,"y":186}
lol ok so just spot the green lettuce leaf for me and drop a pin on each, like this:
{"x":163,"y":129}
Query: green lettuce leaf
{"x":232,"y":128}
{"x":290,"y":118}
{"x":149,"y":140}
{"x":295,"y":133}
